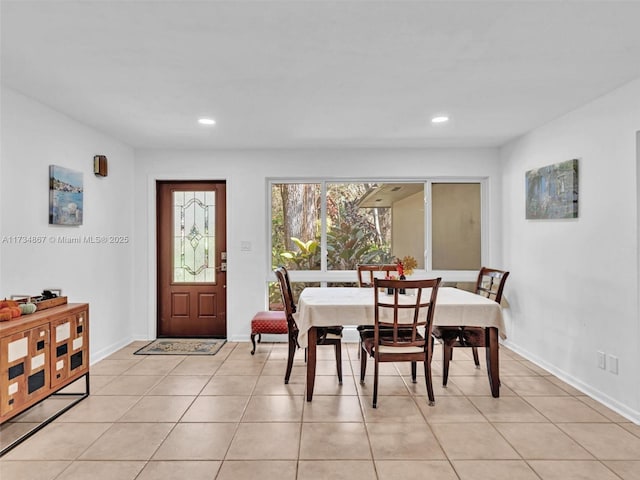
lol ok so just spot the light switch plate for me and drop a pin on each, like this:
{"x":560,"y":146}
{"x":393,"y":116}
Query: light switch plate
{"x":613,"y":364}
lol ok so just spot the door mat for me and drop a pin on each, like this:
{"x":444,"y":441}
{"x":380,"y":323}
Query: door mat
{"x":182,"y":346}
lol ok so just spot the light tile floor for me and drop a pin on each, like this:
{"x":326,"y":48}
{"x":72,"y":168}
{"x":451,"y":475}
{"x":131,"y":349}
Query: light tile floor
{"x":230,"y":416}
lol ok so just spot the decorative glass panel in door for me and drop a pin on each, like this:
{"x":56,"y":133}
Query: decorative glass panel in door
{"x":194,"y":237}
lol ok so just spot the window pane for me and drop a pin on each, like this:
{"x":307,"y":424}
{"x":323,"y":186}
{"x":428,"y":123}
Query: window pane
{"x":355,"y":232}
{"x":373,"y":223}
{"x":408,"y":223}
{"x":456,"y":226}
{"x":295,"y":232}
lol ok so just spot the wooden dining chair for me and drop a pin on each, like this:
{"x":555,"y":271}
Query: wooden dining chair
{"x":490,"y":284}
{"x":368,"y":272}
{"x":326,"y":335}
{"x":402,"y":329}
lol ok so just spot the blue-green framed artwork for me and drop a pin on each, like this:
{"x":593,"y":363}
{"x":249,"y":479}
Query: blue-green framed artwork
{"x":552,"y":191}
{"x":65,"y":196}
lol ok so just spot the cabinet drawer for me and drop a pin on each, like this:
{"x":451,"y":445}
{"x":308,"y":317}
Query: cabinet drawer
{"x":24,"y":368}
{"x":69,"y":347}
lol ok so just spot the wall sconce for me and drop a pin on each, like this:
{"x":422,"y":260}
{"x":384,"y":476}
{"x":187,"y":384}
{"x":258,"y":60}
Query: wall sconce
{"x":100,"y":165}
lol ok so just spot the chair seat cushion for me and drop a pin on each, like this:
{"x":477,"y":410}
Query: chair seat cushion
{"x":460,"y":336}
{"x":331,"y":334}
{"x":336,"y":330}
{"x":369,"y":332}
{"x":269,"y":322}
{"x":368,"y":344}
{"x":389,"y":349}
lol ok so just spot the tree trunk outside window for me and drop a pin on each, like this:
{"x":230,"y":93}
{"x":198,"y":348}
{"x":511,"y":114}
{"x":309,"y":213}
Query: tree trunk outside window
{"x":299,"y":212}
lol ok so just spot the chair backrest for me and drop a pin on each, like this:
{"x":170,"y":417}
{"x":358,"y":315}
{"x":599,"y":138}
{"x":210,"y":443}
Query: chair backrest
{"x":404,"y":316}
{"x":491,"y":282}
{"x":368,"y":272}
{"x":287,"y":298}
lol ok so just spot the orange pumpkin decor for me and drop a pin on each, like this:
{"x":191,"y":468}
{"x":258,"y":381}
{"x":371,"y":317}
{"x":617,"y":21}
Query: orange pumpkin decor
{"x":9,"y":309}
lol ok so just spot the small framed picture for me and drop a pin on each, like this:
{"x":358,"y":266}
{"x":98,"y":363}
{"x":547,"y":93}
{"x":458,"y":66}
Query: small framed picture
{"x":65,"y":196}
{"x":552,"y":191}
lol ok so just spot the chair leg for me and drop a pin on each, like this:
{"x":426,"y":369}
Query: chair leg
{"x":292,"y":352}
{"x":446,"y":358}
{"x":475,"y":357}
{"x":414,"y":372}
{"x":363,"y":365}
{"x":338,"y":348}
{"x":253,"y":341}
{"x":428,"y":379}
{"x":375,"y":384}
{"x":433,"y":346}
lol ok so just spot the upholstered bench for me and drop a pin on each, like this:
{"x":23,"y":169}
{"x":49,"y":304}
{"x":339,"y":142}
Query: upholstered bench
{"x":274,"y":322}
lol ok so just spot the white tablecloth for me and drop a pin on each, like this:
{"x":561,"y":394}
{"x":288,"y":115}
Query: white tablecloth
{"x":318,"y":307}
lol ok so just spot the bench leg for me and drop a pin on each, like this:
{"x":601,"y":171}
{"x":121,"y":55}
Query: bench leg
{"x":253,"y":341}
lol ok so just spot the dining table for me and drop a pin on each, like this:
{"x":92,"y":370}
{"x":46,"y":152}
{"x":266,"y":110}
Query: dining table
{"x":329,"y":306}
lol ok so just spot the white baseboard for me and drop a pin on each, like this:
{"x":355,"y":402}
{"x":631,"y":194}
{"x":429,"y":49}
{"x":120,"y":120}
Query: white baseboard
{"x":103,"y":353}
{"x":620,"y":408}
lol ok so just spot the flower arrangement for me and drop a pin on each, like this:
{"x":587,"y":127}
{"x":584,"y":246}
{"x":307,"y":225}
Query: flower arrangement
{"x":406,"y":265}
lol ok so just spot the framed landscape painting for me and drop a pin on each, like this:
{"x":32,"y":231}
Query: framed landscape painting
{"x":552,"y":191}
{"x":65,"y":196}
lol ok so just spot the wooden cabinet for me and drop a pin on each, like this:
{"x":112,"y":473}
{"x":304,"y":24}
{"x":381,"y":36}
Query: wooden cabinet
{"x":40,"y":354}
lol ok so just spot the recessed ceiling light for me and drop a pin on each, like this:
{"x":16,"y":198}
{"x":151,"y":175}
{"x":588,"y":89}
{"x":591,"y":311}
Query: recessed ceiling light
{"x":206,"y":121}
{"x":440,"y":119}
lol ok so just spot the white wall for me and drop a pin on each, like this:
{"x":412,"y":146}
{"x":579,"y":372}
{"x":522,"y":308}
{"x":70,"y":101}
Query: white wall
{"x":34,"y":137}
{"x":246,"y":173}
{"x":573,"y":287}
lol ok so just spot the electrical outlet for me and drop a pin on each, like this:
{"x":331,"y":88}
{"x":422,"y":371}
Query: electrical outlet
{"x":602,"y":360}
{"x":613,"y":364}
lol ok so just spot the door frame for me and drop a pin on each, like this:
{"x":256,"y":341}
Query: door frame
{"x":151,"y":244}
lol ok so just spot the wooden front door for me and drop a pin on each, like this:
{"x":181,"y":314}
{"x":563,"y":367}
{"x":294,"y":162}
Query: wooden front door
{"x":192,"y":259}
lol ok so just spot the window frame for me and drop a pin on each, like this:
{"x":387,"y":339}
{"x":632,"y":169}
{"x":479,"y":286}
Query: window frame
{"x":325,"y":276}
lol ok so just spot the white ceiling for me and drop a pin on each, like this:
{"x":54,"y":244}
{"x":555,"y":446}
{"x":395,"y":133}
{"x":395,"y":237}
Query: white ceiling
{"x":317,"y":73}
